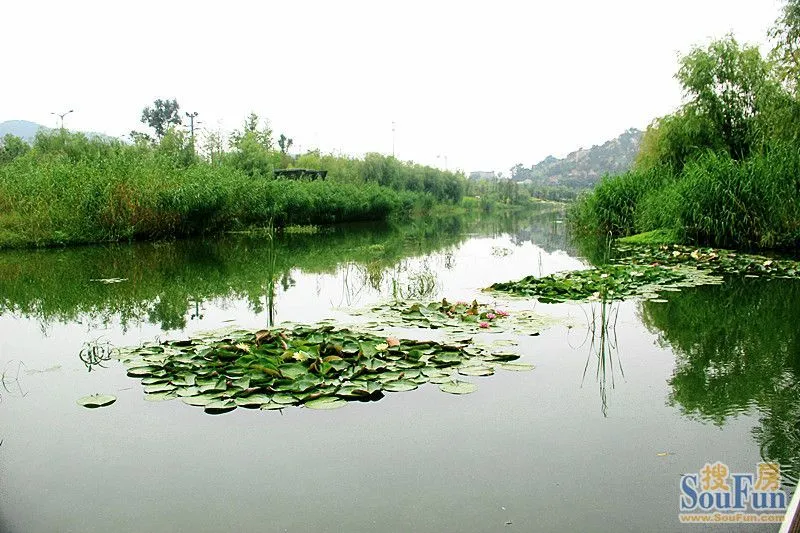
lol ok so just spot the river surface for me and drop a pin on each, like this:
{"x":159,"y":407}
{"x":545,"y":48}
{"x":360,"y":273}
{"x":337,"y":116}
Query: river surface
{"x":595,"y":438}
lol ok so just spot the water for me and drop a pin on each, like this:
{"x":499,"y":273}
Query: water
{"x":578,"y":444}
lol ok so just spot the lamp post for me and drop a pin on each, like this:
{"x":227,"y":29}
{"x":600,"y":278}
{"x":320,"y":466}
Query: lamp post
{"x":192,"y":116}
{"x":393,"y":129}
{"x":61,"y":116}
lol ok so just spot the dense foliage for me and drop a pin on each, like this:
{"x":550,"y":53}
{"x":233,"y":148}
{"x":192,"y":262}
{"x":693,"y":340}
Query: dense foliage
{"x":724,"y":170}
{"x":67,"y":188}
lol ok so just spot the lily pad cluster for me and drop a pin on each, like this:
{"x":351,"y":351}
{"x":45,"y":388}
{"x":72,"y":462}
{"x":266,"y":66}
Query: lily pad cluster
{"x":714,"y":260}
{"x":434,"y":315}
{"x":611,"y":282}
{"x":320,"y":367}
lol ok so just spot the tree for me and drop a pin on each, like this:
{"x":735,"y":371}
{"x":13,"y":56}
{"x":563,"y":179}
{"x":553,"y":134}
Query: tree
{"x":285,"y":143}
{"x":786,"y":53}
{"x":11,"y":147}
{"x":252,"y":148}
{"x":726,"y":84}
{"x":163,"y":115}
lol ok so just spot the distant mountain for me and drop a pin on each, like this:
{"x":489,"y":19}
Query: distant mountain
{"x":583,"y":168}
{"x":27,"y":130}
{"x":20,"y":128}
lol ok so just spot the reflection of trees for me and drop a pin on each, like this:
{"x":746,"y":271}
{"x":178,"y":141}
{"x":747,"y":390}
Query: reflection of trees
{"x":737,"y":347}
{"x":544,"y":228}
{"x":167,"y":283}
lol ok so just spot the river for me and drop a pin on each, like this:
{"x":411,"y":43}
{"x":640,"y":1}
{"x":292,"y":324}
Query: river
{"x":624,"y":398}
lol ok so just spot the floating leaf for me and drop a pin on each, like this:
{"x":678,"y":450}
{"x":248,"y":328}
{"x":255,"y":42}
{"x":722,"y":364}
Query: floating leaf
{"x":326,"y":402}
{"x":458,"y":387}
{"x":97,"y":400}
{"x":516,"y":367}
{"x":220,"y":406}
{"x":475,"y":371}
{"x":400,"y":386}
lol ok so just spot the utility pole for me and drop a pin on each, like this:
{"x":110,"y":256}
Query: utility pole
{"x":191,"y":124}
{"x":393,"y":128}
{"x":61,"y":116}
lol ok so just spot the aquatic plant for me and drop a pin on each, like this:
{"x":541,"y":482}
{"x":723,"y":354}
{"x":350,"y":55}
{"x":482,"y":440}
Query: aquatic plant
{"x":718,"y":261}
{"x":610,"y":282}
{"x":318,"y":367}
{"x":458,"y":317}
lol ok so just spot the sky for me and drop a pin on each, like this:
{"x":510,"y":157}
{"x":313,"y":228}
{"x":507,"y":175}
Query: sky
{"x":480,"y":85}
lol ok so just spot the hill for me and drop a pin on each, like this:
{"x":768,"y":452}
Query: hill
{"x":583,"y":168}
{"x":27,"y":130}
{"x":20,"y":128}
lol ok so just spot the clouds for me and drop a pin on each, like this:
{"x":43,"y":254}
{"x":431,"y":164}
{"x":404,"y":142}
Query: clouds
{"x":488,"y":84}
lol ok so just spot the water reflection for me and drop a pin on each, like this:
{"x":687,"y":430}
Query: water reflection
{"x":169,"y":284}
{"x":603,"y":348}
{"x":737,"y":349}
{"x":95,"y":353}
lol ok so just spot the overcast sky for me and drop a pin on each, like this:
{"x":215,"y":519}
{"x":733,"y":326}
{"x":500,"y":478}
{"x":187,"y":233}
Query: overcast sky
{"x":487,"y":84}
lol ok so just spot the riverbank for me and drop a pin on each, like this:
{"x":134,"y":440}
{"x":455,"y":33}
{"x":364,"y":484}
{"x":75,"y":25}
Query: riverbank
{"x":67,"y":189}
{"x":724,"y":169}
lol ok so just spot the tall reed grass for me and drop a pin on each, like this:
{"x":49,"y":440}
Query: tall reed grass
{"x":715,"y":200}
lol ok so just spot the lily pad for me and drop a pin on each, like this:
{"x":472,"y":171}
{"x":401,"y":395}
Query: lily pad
{"x":516,"y":367}
{"x":326,"y":402}
{"x":458,"y":387}
{"x":97,"y":400}
{"x":401,"y":385}
{"x":476,"y":371}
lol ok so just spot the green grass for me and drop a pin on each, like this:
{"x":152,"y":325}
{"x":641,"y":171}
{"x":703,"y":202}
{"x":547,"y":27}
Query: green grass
{"x":656,"y":236}
{"x":68,"y":189}
{"x":714,"y":201}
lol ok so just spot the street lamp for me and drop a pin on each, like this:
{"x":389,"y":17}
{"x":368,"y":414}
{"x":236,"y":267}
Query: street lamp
{"x":61,"y":116}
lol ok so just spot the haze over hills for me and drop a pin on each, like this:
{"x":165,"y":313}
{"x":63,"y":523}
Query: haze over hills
{"x":27,"y":130}
{"x":583,"y":168}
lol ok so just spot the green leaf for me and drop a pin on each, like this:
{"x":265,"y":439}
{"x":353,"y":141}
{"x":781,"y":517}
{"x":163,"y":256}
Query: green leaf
{"x":475,"y":371}
{"x":253,"y":401}
{"x":458,"y":387}
{"x":325,"y":402}
{"x":220,"y":406}
{"x":400,"y":386}
{"x":97,"y":400}
{"x":516,"y":367}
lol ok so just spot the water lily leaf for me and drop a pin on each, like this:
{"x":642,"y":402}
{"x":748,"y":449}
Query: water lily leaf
{"x":253,"y":401}
{"x":458,"y":387}
{"x":97,"y":400}
{"x":186,"y":380}
{"x":272,"y":406}
{"x":446,"y":359}
{"x":220,"y":406}
{"x":163,"y":387}
{"x":325,"y":402}
{"x":505,"y":356}
{"x":294,"y":370}
{"x":152,"y":380}
{"x":284,"y":399}
{"x":401,"y":385}
{"x":475,"y":371}
{"x":141,"y":371}
{"x":201,"y":400}
{"x":160,"y":396}
{"x":516,"y":367}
